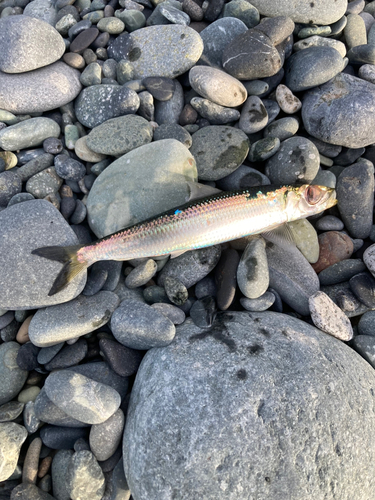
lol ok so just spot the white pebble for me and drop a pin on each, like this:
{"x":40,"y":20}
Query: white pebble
{"x":329,"y":318}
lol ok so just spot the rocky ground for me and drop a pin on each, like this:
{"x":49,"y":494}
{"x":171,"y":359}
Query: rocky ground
{"x":242,"y":371}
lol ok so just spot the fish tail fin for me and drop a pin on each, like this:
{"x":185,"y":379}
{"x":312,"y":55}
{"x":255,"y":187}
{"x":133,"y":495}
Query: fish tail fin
{"x":71,"y":268}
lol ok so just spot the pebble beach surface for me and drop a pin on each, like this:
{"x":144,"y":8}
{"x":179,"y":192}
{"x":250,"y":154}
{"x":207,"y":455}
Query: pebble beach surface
{"x":242,"y":371}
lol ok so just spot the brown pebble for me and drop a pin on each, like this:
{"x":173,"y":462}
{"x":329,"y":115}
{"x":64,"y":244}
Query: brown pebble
{"x":333,"y":247}
{"x":194,"y":11}
{"x":74,"y":60}
{"x":66,"y":191}
{"x":44,"y":466}
{"x":198,"y":26}
{"x":30,"y":465}
{"x":23,"y":333}
{"x":188,"y":115}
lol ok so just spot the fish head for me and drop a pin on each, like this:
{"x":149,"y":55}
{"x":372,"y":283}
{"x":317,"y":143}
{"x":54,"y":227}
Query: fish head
{"x":303,"y":201}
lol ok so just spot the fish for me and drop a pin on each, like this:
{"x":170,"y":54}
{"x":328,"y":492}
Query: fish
{"x":215,"y":219}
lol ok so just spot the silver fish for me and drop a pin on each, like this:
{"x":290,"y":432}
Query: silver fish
{"x":201,"y":223}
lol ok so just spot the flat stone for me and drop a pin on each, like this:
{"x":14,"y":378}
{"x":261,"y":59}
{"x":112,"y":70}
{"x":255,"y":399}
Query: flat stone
{"x":341,"y":271}
{"x":305,"y":238}
{"x":105,"y":437}
{"x":12,"y":436}
{"x":218,"y":151}
{"x":80,"y":397}
{"x":26,"y":491}
{"x":121,"y":359}
{"x":70,"y":355}
{"x":252,"y":272}
{"x":10,"y":411}
{"x":44,"y":183}
{"x":284,"y":128}
{"x":53,"y":325}
{"x":363,"y":287}
{"x":255,"y":346}
{"x":61,"y":438}
{"x":83,"y":152}
{"x":319,"y":41}
{"x":113,"y":202}
{"x":287,"y":101}
{"x":362,"y":54}
{"x":167,"y":51}
{"x":328,"y":115}
{"x":327,"y":316}
{"x":260,"y":304}
{"x":139,"y":326}
{"x":175,"y":131}
{"x":28,"y":133}
{"x":12,"y":375}
{"x":85,"y":477}
{"x":99,"y":103}
{"x":120,"y":135}
{"x":217,"y":86}
{"x":355,"y":195}
{"x":28,"y":44}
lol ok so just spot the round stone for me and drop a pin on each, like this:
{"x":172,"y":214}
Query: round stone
{"x":217,"y":86}
{"x":68,"y":168}
{"x":319,"y":41}
{"x":105,"y":437}
{"x":27,"y":44}
{"x":224,"y":362}
{"x":218,"y":151}
{"x":283,"y":128}
{"x":287,"y":101}
{"x":111,"y":25}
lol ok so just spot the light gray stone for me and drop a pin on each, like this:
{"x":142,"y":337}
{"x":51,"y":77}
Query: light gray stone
{"x":27,"y":44}
{"x":327,"y":316}
{"x":265,"y":403}
{"x":320,"y":41}
{"x":28,"y":133}
{"x":167,"y":51}
{"x":80,"y":397}
{"x":26,"y":279}
{"x":44,"y":10}
{"x":85,"y":477}
{"x":46,"y":411}
{"x":12,"y":376}
{"x":82,"y":315}
{"x":162,"y":170}
{"x":12,"y":436}
{"x":252,"y":271}
{"x":105,"y":438}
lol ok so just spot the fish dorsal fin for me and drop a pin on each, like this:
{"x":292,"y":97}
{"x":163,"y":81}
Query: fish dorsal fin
{"x":177,"y":253}
{"x":281,"y":236}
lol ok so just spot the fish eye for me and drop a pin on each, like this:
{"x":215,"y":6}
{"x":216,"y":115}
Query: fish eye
{"x":313,"y":195}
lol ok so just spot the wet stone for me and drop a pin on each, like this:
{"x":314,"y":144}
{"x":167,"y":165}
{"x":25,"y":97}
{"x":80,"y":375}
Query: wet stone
{"x":262,"y":303}
{"x":139,"y":326}
{"x":218,"y":151}
{"x":363,"y":287}
{"x":123,"y":360}
{"x":203,"y":312}
{"x":327,"y":316}
{"x":341,"y":271}
{"x":297,"y":160}
{"x":263,"y":149}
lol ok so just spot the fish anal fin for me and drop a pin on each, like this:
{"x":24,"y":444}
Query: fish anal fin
{"x":281,"y":236}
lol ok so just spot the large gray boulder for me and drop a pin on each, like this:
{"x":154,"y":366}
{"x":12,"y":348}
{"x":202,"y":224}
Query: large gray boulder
{"x":259,"y":406}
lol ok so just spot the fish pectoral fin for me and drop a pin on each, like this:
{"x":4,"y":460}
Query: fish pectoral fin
{"x":177,"y":253}
{"x":281,"y":236}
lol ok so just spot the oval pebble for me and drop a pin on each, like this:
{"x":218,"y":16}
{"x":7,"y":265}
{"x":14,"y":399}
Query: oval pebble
{"x":85,"y":477}
{"x":175,"y":314}
{"x":69,"y":355}
{"x":214,"y":113}
{"x":260,"y":304}
{"x":203,"y":312}
{"x":123,"y":360}
{"x":254,"y":116}
{"x":263,"y":149}
{"x":334,"y":247}
{"x":141,"y":274}
{"x":252,"y":272}
{"x":28,"y":133}
{"x":329,"y":318}
{"x":329,"y":223}
{"x":10,"y":411}
{"x":12,"y":376}
{"x":105,"y":438}
{"x":341,"y":271}
{"x":139,"y":326}
{"x":287,"y":101}
{"x":68,"y":168}
{"x":363,"y":287}
{"x":12,"y":436}
{"x":175,"y":290}
{"x":284,"y":128}
{"x":366,"y":325}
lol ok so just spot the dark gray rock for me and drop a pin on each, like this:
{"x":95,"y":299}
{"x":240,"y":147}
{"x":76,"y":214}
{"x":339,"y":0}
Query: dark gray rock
{"x":70,"y":320}
{"x":69,"y":355}
{"x":355,"y":195}
{"x":139,"y":326}
{"x":176,"y":291}
{"x":203,"y":311}
{"x":226,"y":277}
{"x":81,"y":397}
{"x":12,"y":376}
{"x":175,"y":314}
{"x":312,"y":67}
{"x":10,"y":185}
{"x":365,"y":346}
{"x":61,"y":438}
{"x":36,"y":165}
{"x":59,"y":471}
{"x":362,"y":54}
{"x":160,"y":88}
{"x":27,"y":44}
{"x":27,"y":356}
{"x":218,"y":151}
{"x":47,"y":353}
{"x":329,"y":223}
{"x":99,"y":103}
{"x":341,"y":271}
{"x":366,"y":325}
{"x":363,"y":287}
{"x":119,"y":484}
{"x":260,"y":304}
{"x":242,"y":178}
{"x":328,"y":114}
{"x":121,"y":359}
{"x":342,"y":295}
{"x":10,"y":411}
{"x":169,"y":111}
{"x":68,"y":168}
{"x":26,"y":491}
{"x":262,"y":150}
{"x":297,"y":161}
{"x":223,"y":362}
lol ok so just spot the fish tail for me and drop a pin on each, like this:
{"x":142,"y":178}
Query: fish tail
{"x":69,"y":257}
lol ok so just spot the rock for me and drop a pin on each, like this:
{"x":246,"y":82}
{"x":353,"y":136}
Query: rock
{"x":254,"y":116}
{"x":365,"y":346}
{"x":113,"y":202}
{"x":10,"y":185}
{"x":39,"y":90}
{"x":81,"y":397}
{"x":369,"y":259}
{"x":44,"y":183}
{"x":61,"y":322}
{"x":84,"y":39}
{"x":216,"y":36}
{"x":218,"y":151}
{"x":291,"y":276}
{"x":312,"y":67}
{"x":327,"y":316}
{"x":10,"y":411}
{"x":341,"y":271}
{"x":255,"y":346}
{"x":297,"y":161}
{"x":284,"y":128}
{"x":12,"y":375}
{"x":28,"y":133}
{"x":217,"y":86}
{"x":334,"y":247}
{"x":85,"y":477}
{"x":262,"y":303}
{"x":44,"y":10}
{"x":355,"y":196}
{"x":355,"y":31}
{"x":85,"y":153}
{"x":287,"y":101}
{"x":121,"y":359}
{"x":27,"y":44}
{"x":139,"y":326}
{"x":329,"y":223}
{"x":174,"y":131}
{"x":252,"y":272}
{"x":12,"y":436}
{"x":175,"y":314}
{"x":342,"y":295}
{"x":319,"y":41}
{"x":160,"y":88}
{"x":366,"y":325}
{"x":70,"y":355}
{"x":327,"y":113}
{"x":105,"y":437}
{"x":226,"y":277}
{"x":99,"y":103}
{"x":59,"y":468}
{"x":362,"y":54}
{"x":176,"y":291}
{"x":25,"y":491}
{"x":60,"y":438}
{"x":167,"y":51}
{"x":111,"y":25}
{"x":363,"y":287}
{"x":120,"y":135}
{"x":169,"y":111}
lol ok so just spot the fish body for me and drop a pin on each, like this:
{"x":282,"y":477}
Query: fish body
{"x":215,"y":219}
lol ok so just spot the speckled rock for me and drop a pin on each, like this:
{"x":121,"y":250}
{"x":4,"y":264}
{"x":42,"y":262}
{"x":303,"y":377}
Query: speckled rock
{"x":28,"y":133}
{"x":328,"y":115}
{"x":85,"y":477}
{"x":105,"y":437}
{"x":53,"y":325}
{"x":240,"y":372}
{"x":327,"y":316}
{"x":168,"y":50}
{"x":12,"y":375}
{"x":27,"y":44}
{"x":12,"y":436}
